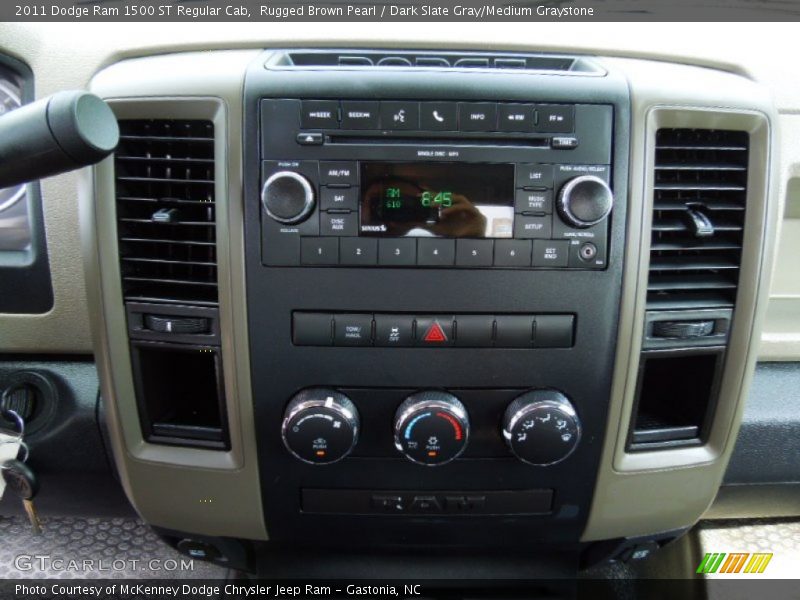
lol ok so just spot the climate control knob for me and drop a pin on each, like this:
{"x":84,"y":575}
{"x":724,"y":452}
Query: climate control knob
{"x":541,"y":427}
{"x":320,"y":426}
{"x":287,"y":197}
{"x":431,"y":428}
{"x":585,"y":201}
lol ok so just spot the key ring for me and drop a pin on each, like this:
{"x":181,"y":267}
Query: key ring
{"x":23,"y":446}
{"x":12,"y":415}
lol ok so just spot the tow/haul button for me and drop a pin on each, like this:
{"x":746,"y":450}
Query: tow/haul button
{"x":431,"y":428}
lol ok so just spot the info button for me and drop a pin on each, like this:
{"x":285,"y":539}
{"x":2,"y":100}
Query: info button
{"x":477,"y":116}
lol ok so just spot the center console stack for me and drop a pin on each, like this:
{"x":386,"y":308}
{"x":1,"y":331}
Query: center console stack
{"x":434,"y":270}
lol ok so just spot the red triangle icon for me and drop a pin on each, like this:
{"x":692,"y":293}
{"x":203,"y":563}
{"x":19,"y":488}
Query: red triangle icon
{"x":435,"y":333}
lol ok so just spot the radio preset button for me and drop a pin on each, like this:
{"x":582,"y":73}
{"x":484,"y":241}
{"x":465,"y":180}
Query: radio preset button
{"x":397,"y":252}
{"x":432,"y":252}
{"x":358,"y":251}
{"x":512,"y":253}
{"x":533,"y":227}
{"x":319,"y":251}
{"x":338,"y":198}
{"x":338,"y":173}
{"x":555,"y":118}
{"x":438,"y":116}
{"x":477,"y":116}
{"x":352,"y":330}
{"x":550,"y":253}
{"x":534,"y":176}
{"x":360,"y":115}
{"x":319,"y":114}
{"x":394,"y":331}
{"x":400,"y":115}
{"x":338,"y":224}
{"x":474,"y":253}
{"x":515,"y":117}
{"x":539,"y":201}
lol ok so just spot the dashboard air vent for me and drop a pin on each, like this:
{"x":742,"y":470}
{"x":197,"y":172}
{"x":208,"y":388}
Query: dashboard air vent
{"x":700,"y":191}
{"x":166,"y":211}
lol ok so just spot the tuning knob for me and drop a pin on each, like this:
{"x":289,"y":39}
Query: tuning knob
{"x":287,"y":197}
{"x":541,"y":427}
{"x":585,"y":201}
{"x":320,"y":426}
{"x":431,"y":428}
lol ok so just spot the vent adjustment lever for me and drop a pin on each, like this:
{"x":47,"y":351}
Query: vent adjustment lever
{"x":682,"y":329}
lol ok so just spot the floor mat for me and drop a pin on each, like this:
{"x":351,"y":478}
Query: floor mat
{"x":75,"y":548}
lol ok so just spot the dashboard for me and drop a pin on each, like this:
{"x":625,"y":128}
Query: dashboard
{"x":420,"y":296}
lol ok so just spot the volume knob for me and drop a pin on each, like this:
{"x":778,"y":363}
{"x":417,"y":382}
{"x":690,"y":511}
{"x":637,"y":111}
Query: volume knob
{"x":287,"y":197}
{"x":585,"y":201}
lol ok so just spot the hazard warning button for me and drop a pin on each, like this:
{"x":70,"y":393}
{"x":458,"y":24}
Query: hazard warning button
{"x":434,"y":331}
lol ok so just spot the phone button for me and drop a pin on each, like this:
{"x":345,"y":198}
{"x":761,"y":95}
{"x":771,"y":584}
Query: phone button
{"x":439,"y":116}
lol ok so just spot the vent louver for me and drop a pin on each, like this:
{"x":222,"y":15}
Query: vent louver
{"x":166,"y":211}
{"x":700,"y":191}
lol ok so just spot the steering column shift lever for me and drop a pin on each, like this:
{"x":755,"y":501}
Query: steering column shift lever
{"x":60,"y":133}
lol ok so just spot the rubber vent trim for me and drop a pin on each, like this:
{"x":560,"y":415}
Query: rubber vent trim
{"x":166,"y":222}
{"x":700,"y":191}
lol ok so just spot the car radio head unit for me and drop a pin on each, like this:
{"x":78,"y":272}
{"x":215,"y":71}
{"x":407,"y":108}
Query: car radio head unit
{"x":388,"y":184}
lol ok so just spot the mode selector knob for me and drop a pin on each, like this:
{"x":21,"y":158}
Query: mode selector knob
{"x":431,"y":428}
{"x":541,"y":427}
{"x":585,"y":201}
{"x":287,"y":197}
{"x":320,"y":426}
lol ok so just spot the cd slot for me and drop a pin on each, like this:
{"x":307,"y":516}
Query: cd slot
{"x":486,"y":141}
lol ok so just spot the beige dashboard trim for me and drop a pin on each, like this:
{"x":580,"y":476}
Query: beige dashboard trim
{"x":634,"y":495}
{"x":193,"y":490}
{"x":647,"y":492}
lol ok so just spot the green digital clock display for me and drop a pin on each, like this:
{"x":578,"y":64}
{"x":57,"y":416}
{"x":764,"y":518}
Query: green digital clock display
{"x":437,"y":199}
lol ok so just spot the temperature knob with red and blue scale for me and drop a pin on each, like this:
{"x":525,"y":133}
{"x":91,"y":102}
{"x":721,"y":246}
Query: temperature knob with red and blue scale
{"x":431,"y":428}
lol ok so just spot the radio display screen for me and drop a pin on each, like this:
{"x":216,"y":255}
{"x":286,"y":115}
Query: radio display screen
{"x":449,"y":200}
